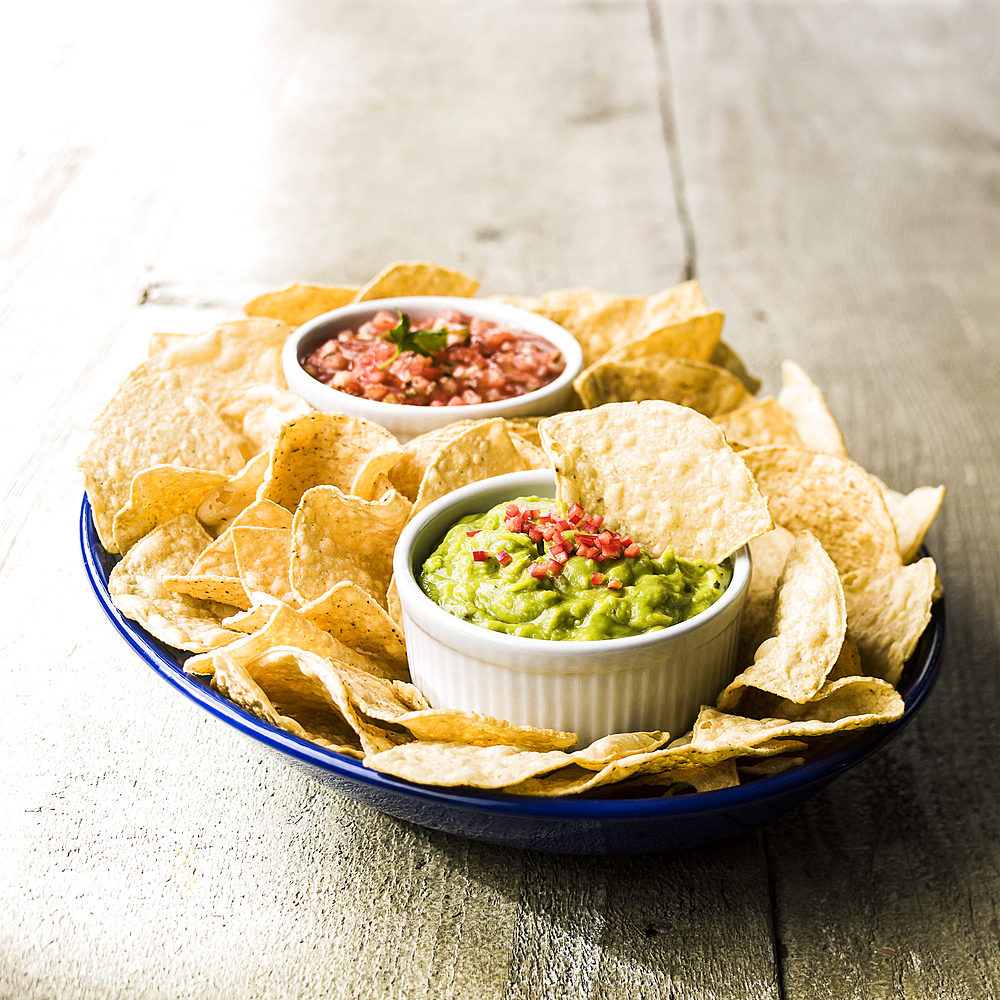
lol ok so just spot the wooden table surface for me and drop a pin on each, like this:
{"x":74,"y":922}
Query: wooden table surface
{"x":829,"y":171}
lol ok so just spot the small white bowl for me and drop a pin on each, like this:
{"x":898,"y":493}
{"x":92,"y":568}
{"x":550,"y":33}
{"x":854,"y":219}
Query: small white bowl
{"x":406,"y":422}
{"x":656,"y":681}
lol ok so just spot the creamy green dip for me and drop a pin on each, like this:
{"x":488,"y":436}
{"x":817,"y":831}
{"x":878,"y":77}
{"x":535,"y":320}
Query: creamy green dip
{"x":469,"y":575}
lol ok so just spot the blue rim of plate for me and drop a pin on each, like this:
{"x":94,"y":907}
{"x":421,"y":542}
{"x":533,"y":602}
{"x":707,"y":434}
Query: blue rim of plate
{"x":918,"y":679}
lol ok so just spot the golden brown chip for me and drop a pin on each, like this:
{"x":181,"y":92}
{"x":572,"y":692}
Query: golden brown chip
{"x":137,"y":589}
{"x":157,"y":495}
{"x":263,"y":556}
{"x":286,"y":627}
{"x":161,"y":341}
{"x":418,"y":453}
{"x":526,"y":427}
{"x":601,"y":321}
{"x":295,"y":304}
{"x":533,"y":456}
{"x":704,"y":387}
{"x":451,"y":764}
{"x":150,"y":422}
{"x":659,"y":472}
{"x":223,"y":505}
{"x":888,"y":604}
{"x":481,"y":451}
{"x":214,"y":363}
{"x":451,"y":725}
{"x":256,"y":413}
{"x":768,"y":553}
{"x":694,"y":338}
{"x":912,"y":515}
{"x":418,"y":278}
{"x":339,"y":537}
{"x":327,"y":449}
{"x":760,"y":422}
{"x":725,"y":357}
{"x":311,"y":714}
{"x":804,"y":404}
{"x":807,"y":629}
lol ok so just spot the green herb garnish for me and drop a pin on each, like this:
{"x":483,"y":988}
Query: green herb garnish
{"x":425,"y":342}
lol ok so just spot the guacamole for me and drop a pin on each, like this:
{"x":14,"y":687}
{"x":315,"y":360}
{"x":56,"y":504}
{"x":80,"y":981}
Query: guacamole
{"x":527,"y":568}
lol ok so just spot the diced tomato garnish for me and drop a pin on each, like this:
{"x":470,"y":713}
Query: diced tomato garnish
{"x":503,"y":557}
{"x":537,"y":570}
{"x":480,"y":555}
{"x":614,"y":585}
{"x":574,"y":514}
{"x":597,"y":579}
{"x":472,"y":533}
{"x":632,"y":551}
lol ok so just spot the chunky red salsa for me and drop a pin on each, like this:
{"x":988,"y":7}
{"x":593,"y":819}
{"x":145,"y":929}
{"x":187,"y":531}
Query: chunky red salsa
{"x":480,"y":361}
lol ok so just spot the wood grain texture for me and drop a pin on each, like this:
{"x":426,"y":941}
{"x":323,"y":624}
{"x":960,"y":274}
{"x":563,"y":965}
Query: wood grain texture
{"x":840,"y":162}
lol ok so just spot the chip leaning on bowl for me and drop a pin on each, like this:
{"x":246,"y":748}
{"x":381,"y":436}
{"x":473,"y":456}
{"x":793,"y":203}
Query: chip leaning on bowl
{"x":258,"y":534}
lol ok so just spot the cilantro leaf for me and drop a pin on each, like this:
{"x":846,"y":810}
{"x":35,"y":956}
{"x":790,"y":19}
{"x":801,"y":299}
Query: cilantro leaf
{"x":425,"y":342}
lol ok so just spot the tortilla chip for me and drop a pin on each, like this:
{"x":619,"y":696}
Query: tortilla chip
{"x":256,"y":413}
{"x":263,"y":556}
{"x":912,"y":515}
{"x":295,"y":304}
{"x":214,"y":363}
{"x":223,"y":505}
{"x":157,"y":495}
{"x":807,"y":626}
{"x":848,"y":661}
{"x":481,"y":451}
{"x":725,"y":357}
{"x":161,"y":341}
{"x":525,"y":427}
{"x":451,"y":764}
{"x":760,"y":422}
{"x":695,"y":339}
{"x":418,"y":278}
{"x":285,"y":627}
{"x":327,"y":449}
{"x":339,"y":537}
{"x":311,"y":711}
{"x":137,"y":589}
{"x":684,"y":486}
{"x":451,"y":725}
{"x":703,"y":387}
{"x":418,"y":453}
{"x":804,"y":404}
{"x":888,"y":604}
{"x":150,"y":422}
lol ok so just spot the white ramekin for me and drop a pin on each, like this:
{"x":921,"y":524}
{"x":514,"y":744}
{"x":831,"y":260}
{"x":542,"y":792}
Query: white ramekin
{"x":406,"y":422}
{"x":656,"y":681}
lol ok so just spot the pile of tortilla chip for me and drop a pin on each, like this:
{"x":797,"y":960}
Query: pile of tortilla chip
{"x":257,"y":534}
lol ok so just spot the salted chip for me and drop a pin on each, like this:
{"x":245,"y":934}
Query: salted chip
{"x":601,"y":321}
{"x":533,"y":456}
{"x":525,"y":427}
{"x":256,"y":413}
{"x":695,"y":338}
{"x":480,"y":451}
{"x":214,"y":363}
{"x":674,"y":760}
{"x":311,"y":714}
{"x":912,"y":515}
{"x":452,"y":725}
{"x":159,"y":494}
{"x":759,"y":422}
{"x":392,"y":604}
{"x":702,"y":386}
{"x":263,"y":556}
{"x":295,"y":304}
{"x":888,"y":604}
{"x":418,"y":453}
{"x":807,"y":628}
{"x":153,"y":421}
{"x":659,"y":472}
{"x":310,"y":688}
{"x":451,"y":764}
{"x":137,"y":590}
{"x":223,"y":505}
{"x":767,"y":767}
{"x":848,"y":661}
{"x":725,"y":357}
{"x":285,"y":627}
{"x":339,"y":537}
{"x":768,"y":553}
{"x":803,"y":402}
{"x":417,"y":278}
{"x":686,"y":780}
{"x":327,"y":449}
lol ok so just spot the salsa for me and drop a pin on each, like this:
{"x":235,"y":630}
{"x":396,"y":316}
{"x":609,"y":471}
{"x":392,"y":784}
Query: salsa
{"x":453,"y":360}
{"x":526,"y":568}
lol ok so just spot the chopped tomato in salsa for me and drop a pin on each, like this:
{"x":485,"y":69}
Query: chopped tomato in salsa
{"x":481,"y":362}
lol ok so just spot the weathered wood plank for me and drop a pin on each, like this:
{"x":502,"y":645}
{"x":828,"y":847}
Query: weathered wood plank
{"x":841,"y":166}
